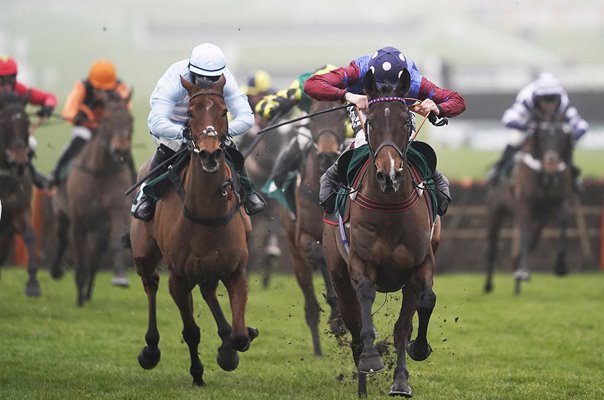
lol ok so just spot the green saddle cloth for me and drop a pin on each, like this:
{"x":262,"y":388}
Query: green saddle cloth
{"x":361,"y":155}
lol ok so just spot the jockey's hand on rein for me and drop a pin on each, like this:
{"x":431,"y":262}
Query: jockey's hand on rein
{"x":45,"y":111}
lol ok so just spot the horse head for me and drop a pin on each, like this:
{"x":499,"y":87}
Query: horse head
{"x":328,"y":132}
{"x":388,"y":128}
{"x":116,"y":125}
{"x":14,"y":131}
{"x":208,"y":123}
{"x":549,"y":147}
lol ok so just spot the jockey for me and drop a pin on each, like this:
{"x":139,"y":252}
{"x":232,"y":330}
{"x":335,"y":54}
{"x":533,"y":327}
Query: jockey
{"x":279,"y":105}
{"x":543,"y":100}
{"x":83,"y":108}
{"x":346,"y":83}
{"x":168,"y":118}
{"x":46,"y":100}
{"x":258,"y":85}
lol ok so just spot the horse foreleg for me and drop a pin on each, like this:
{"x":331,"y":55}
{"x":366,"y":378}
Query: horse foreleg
{"x":241,"y":335}
{"x":227,"y":357}
{"x":494,"y":223}
{"x":150,"y":355}
{"x":56,"y":271}
{"x":335,"y":320}
{"x":347,"y":300}
{"x":191,"y":334}
{"x":32,"y":287}
{"x":561,"y":268}
{"x":99,"y":247}
{"x":521,"y":272}
{"x":304,"y":275}
{"x":370,"y":360}
{"x":419,"y":349}
{"x":80,"y":240}
{"x":402,"y":333}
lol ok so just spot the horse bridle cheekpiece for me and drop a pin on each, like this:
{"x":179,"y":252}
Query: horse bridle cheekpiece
{"x":387,"y":142}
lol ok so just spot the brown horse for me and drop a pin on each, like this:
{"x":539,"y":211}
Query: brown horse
{"x":200,"y":232}
{"x":328,"y":132}
{"x":91,"y":202}
{"x":391,"y":241}
{"x":15,"y":184}
{"x":266,"y":253}
{"x":540,"y":191}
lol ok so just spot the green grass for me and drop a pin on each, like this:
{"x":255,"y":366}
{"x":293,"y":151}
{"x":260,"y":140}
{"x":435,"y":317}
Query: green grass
{"x":546,"y":343}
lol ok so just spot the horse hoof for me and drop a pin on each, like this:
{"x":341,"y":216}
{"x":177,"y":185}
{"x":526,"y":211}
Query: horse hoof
{"x":417,"y":353}
{"x":372,"y":363}
{"x":227,"y":357}
{"x":241,"y":343}
{"x":56,"y":274}
{"x":253,"y":332}
{"x":120,"y":281}
{"x":148,"y":359}
{"x":32,"y":288}
{"x":401,"y":388}
{"x":198,"y":382}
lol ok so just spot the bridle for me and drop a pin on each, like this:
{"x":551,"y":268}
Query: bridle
{"x":388,"y":143}
{"x":209,"y":131}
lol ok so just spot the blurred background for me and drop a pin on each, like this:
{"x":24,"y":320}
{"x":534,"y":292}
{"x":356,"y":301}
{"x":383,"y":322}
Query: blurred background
{"x":487,"y":51}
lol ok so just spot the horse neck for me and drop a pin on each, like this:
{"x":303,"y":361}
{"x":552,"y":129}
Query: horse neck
{"x":311,"y":172}
{"x":95,"y":154}
{"x":202,"y":189}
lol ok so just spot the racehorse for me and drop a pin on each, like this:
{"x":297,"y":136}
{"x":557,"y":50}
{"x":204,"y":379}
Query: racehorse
{"x":265,"y":252}
{"x":391,"y":240}
{"x":16,"y":184}
{"x":91,"y":202}
{"x":200,"y":232}
{"x":540,"y":191}
{"x":328,"y":132}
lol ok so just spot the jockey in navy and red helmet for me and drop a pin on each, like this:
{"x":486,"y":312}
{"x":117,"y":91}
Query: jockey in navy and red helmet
{"x":542,"y":100}
{"x":168,"y":118}
{"x":387,"y":64}
{"x":46,"y":100}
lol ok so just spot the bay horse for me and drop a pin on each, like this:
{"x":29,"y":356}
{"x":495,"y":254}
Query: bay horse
{"x":91,"y":208}
{"x":304,"y":234}
{"x":16,"y":184}
{"x":201,"y":237}
{"x":540,"y":191}
{"x":390,"y":247}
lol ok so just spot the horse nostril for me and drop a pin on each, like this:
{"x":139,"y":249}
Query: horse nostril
{"x":217,"y":153}
{"x":398,"y":175}
{"x":381,"y":177}
{"x":204,"y":154}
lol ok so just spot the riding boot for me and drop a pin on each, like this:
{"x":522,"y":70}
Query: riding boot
{"x":144,"y":206}
{"x":253,"y":203}
{"x":498,"y":171}
{"x":68,"y":154}
{"x":443,"y":195}
{"x":288,"y":160}
{"x":331,"y":183}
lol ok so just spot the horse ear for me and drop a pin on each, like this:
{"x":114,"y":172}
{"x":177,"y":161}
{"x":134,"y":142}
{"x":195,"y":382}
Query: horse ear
{"x":404,"y":83}
{"x":186,"y":84}
{"x":129,"y":97}
{"x":220,"y":83}
{"x":369,"y":85}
